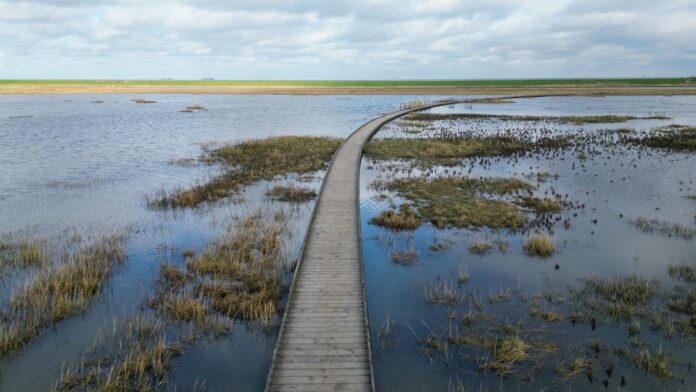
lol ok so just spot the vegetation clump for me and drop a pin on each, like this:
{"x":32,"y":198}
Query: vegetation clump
{"x":137,"y":356}
{"x":657,"y":363}
{"x":481,"y":247}
{"x":673,"y":137}
{"x":252,"y":161}
{"x":575,"y":368}
{"x":23,"y":252}
{"x":407,"y":257}
{"x":628,"y":290}
{"x":684,"y":271}
{"x":460,"y":202}
{"x":291,"y":194}
{"x":664,"y":228}
{"x":239,"y":278}
{"x":405,"y":219}
{"x":541,"y":206}
{"x":441,"y":151}
{"x":575,"y":120}
{"x":58,"y":291}
{"x":539,"y":245}
{"x":140,"y":100}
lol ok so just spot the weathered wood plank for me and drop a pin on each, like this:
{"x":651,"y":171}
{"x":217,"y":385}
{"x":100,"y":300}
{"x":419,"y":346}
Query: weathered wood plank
{"x":323,"y":343}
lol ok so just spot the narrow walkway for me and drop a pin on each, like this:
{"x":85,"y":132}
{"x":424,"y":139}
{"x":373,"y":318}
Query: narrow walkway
{"x":324,"y":341}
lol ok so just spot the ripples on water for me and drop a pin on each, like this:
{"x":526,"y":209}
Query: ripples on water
{"x":68,"y":161}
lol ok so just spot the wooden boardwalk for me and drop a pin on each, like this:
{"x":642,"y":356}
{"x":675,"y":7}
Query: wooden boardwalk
{"x":324,"y":340}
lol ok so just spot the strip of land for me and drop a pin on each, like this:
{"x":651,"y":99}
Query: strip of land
{"x":592,"y":87}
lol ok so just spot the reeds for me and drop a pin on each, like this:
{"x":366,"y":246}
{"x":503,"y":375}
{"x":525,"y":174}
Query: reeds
{"x":59,"y":290}
{"x":238,"y":278}
{"x":665,"y":228}
{"x":657,"y":363}
{"x":136,"y":356}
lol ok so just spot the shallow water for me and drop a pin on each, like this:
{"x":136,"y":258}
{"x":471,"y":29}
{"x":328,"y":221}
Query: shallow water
{"x":608,"y":184}
{"x":71,"y":162}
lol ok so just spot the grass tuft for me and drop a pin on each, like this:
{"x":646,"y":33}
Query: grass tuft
{"x":539,"y":245}
{"x":405,"y":219}
{"x":291,"y":194}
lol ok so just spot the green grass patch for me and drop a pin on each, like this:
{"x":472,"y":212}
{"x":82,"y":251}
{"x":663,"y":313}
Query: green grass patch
{"x":461,"y":202}
{"x":252,"y":161}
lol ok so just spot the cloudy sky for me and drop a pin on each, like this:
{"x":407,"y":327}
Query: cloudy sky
{"x":346,"y":39}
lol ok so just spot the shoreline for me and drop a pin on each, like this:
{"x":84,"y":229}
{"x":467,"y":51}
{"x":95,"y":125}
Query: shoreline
{"x":570,"y":90}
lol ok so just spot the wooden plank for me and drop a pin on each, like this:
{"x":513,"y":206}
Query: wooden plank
{"x":323,"y":343}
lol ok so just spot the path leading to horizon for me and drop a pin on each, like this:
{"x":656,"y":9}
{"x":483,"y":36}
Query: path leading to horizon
{"x":324,"y":340}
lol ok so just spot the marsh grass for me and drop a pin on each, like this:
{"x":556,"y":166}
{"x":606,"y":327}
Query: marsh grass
{"x":136,"y":356}
{"x":481,"y":247}
{"x":460,"y":202}
{"x":656,"y":363}
{"x":665,"y":228}
{"x":238,"y":278}
{"x":575,"y":368}
{"x":59,"y":290}
{"x":444,"y":293}
{"x":406,"y":257}
{"x":22,"y":250}
{"x":249,"y":162}
{"x":539,"y":245}
{"x":685,"y":302}
{"x":684,"y":271}
{"x":575,"y":120}
{"x":673,"y":137}
{"x":450,"y":151}
{"x":541,"y":206}
{"x":291,"y":194}
{"x":404,"y":219}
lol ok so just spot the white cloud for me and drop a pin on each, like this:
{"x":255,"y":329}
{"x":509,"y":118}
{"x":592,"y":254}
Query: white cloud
{"x":346,"y":38}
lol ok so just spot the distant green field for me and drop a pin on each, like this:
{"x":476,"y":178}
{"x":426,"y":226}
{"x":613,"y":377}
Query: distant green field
{"x":362,"y":83}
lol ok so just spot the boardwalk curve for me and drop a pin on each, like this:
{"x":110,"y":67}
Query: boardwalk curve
{"x":324,"y":339}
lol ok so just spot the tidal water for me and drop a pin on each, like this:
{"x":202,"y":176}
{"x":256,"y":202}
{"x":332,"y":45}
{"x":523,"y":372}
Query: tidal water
{"x":615,"y":184}
{"x":89,"y":162}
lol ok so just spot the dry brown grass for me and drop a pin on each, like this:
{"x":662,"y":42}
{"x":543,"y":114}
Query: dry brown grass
{"x":404,"y":219}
